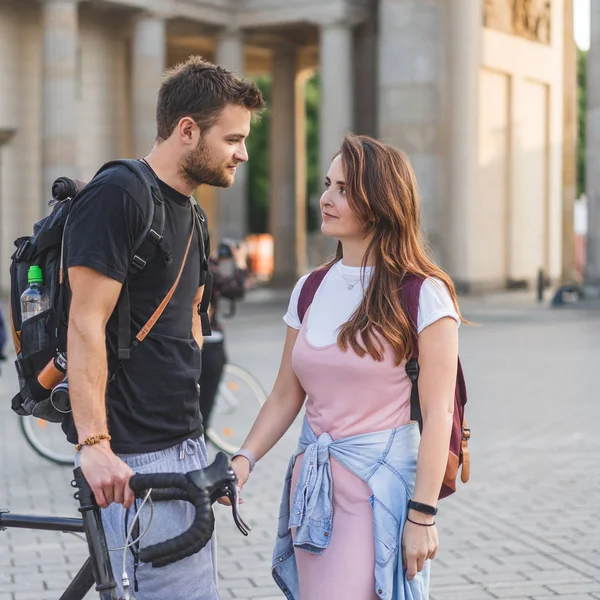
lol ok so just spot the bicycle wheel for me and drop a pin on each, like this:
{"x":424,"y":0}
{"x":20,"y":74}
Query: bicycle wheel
{"x":48,"y":440}
{"x":239,"y":399}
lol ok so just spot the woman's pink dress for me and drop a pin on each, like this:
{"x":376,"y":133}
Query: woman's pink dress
{"x":347,"y":395}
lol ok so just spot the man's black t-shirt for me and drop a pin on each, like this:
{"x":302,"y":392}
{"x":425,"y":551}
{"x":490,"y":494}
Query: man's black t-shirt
{"x":153,"y":402}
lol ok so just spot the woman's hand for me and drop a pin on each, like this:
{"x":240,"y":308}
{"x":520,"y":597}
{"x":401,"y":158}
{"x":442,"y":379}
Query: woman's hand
{"x":241,"y":466}
{"x":418,"y":543}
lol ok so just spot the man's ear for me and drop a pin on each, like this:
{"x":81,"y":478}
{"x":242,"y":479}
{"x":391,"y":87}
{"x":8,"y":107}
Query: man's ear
{"x":187,"y":127}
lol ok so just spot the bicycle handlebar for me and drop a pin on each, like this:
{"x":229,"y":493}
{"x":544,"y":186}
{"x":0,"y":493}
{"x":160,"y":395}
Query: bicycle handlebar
{"x":201,"y":488}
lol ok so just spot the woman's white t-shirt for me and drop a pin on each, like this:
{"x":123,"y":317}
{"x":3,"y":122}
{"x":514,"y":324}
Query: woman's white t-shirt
{"x":334,"y":303}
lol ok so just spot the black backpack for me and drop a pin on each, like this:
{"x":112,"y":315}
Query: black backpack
{"x":41,"y":344}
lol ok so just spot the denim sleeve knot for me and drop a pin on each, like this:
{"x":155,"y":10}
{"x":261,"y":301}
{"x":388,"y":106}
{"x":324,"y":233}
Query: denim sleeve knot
{"x":312,"y":508}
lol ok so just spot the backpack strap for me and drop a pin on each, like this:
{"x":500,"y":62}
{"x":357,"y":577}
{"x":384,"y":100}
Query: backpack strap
{"x":145,"y":246}
{"x":200,"y":221}
{"x":410,"y":291}
{"x":151,"y":237}
{"x":309,"y":289}
{"x":145,"y":330}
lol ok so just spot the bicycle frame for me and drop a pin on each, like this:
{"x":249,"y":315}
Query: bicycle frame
{"x":97,"y":568}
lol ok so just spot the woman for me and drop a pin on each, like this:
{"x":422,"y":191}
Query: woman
{"x":360,"y":459}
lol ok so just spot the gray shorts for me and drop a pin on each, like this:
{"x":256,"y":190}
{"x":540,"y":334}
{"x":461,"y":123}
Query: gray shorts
{"x":193,"y":578}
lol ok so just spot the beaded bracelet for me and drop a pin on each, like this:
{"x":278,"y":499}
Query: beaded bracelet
{"x":93,"y":439}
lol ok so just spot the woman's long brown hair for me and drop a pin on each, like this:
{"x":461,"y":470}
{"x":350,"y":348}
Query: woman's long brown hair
{"x":381,"y":189}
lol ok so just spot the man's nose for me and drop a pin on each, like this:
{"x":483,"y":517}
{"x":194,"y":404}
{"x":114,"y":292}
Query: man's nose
{"x":242,"y":154}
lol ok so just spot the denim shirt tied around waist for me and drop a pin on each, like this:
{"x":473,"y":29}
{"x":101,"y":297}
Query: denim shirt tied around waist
{"x":387,"y":462}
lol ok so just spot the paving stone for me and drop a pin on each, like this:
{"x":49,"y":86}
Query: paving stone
{"x":534,"y":452}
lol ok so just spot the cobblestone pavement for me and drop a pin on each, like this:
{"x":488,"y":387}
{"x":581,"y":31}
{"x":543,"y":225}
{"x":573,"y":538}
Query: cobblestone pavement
{"x":525,"y":527}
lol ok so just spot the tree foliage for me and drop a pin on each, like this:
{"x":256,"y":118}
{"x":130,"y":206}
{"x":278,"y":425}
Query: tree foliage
{"x":259,"y":153}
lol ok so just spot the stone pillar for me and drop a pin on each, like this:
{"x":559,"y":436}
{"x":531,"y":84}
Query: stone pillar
{"x":464,"y":55}
{"x":412,"y":98}
{"x":232,"y":204}
{"x":300,"y":143}
{"x":569,"y":175}
{"x":336,"y":90}
{"x":59,"y":94}
{"x":147,"y":68}
{"x":592,"y":271}
{"x":282,"y":205}
{"x":336,"y":119}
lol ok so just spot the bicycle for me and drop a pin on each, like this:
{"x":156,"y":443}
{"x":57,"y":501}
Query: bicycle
{"x":201,"y":488}
{"x":238,"y":402}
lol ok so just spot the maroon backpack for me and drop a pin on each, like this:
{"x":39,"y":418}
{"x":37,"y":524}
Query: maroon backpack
{"x":458,"y":453}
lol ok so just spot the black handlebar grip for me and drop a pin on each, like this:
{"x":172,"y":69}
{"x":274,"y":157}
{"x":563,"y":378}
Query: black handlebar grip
{"x":144,"y":481}
{"x":169,"y":494}
{"x":190,"y":541}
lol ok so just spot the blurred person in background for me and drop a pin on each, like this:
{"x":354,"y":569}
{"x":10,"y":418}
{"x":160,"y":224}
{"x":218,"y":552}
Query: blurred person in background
{"x":231,"y":287}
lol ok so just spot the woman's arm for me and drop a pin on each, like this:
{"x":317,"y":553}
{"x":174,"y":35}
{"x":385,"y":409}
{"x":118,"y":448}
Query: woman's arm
{"x":438,"y":359}
{"x":277,"y":414}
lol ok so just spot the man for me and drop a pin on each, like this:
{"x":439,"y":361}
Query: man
{"x":146,"y":419}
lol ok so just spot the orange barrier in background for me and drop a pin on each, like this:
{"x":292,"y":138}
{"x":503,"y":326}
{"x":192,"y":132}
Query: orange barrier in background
{"x":260,"y":255}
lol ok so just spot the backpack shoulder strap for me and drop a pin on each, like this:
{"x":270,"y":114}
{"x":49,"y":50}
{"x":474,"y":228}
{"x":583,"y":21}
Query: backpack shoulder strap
{"x":145,"y":330}
{"x":204,"y":246}
{"x":410,"y":291}
{"x":309,"y":289}
{"x":151,"y":237}
{"x":146,"y":244}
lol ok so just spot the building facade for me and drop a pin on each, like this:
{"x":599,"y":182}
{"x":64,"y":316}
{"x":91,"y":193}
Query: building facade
{"x":472,"y":90}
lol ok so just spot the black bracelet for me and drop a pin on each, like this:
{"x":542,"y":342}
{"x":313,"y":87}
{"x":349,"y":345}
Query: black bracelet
{"x":426,"y":509}
{"x":421,"y":524}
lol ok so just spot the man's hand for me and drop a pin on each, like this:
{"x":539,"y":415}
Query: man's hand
{"x":241,"y":466}
{"x":107,"y":475}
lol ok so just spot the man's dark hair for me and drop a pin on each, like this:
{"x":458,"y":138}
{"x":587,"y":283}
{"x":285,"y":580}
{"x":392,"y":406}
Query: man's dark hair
{"x":200,"y":90}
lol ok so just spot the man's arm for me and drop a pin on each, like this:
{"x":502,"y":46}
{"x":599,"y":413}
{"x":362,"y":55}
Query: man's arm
{"x":94,"y":297}
{"x":196,"y":324}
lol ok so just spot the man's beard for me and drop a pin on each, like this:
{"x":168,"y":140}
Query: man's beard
{"x":198,"y":168}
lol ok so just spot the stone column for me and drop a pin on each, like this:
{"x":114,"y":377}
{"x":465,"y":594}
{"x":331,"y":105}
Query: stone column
{"x":59,"y":94}
{"x":336,"y":90}
{"x":412,"y":98}
{"x":232,"y":204}
{"x":282,"y":205}
{"x":300,"y":143}
{"x":570,"y":110}
{"x":147,"y":68}
{"x":465,"y":23}
{"x":592,"y":271}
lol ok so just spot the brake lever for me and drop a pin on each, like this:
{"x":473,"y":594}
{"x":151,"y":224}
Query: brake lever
{"x":231,"y":492}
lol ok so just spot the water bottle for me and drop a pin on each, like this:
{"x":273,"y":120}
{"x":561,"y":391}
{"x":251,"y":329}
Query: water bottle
{"x":34,"y":299}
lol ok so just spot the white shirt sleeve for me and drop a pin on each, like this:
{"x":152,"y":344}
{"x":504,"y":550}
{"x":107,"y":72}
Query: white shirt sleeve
{"x":291,"y":316}
{"x":435,"y":303}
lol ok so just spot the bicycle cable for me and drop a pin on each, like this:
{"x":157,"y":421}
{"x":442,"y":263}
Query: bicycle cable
{"x":128,"y":544}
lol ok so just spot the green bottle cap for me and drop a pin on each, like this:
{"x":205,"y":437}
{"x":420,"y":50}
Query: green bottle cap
{"x":34,"y":275}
